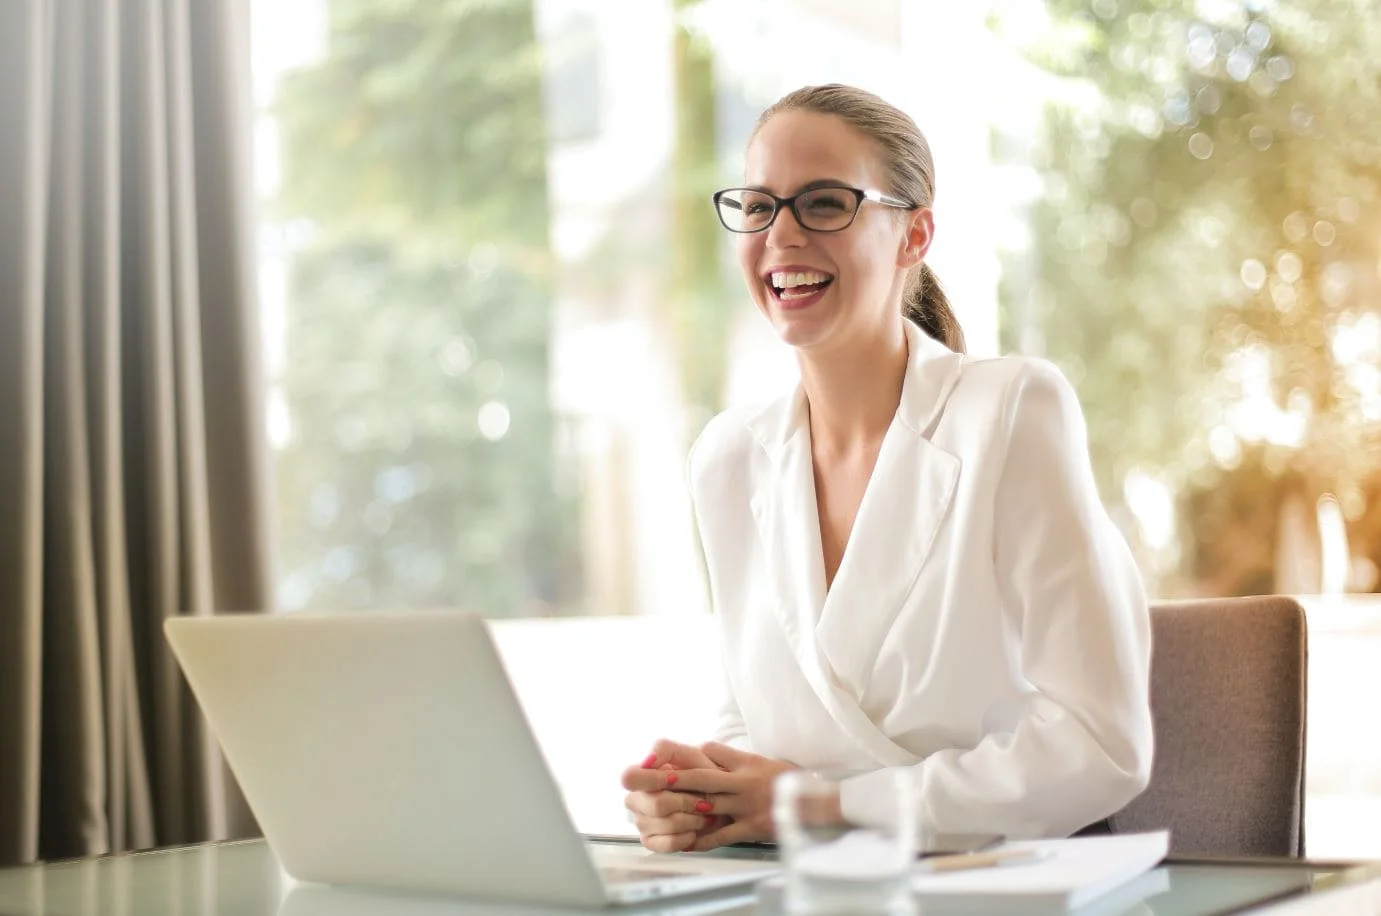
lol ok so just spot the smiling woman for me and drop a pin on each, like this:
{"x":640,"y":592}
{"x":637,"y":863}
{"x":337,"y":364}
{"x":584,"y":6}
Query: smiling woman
{"x":909,"y":561}
{"x":497,"y":315}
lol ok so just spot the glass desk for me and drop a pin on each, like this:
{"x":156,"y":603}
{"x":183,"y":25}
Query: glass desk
{"x":243,"y":878}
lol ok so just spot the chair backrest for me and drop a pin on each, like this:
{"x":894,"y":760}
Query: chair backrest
{"x":1228,"y":702}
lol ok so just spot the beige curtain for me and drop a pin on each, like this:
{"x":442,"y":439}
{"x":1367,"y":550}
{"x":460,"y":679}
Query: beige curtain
{"x":133,"y":469}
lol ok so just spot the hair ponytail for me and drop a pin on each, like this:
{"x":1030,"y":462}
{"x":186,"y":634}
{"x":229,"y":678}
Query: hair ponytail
{"x":925,"y":303}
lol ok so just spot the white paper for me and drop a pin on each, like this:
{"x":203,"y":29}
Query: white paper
{"x":1071,"y":874}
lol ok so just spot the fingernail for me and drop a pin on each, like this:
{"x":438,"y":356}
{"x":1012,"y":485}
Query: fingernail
{"x":650,"y":762}
{"x":703,"y":807}
{"x":671,"y":778}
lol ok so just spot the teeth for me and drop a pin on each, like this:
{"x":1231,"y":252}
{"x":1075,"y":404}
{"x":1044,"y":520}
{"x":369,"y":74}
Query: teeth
{"x":783,"y":279}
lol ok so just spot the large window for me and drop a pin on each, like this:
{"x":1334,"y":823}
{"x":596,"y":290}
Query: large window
{"x":500,"y":307}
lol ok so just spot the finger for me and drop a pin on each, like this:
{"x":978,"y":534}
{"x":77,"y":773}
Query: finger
{"x":730,"y":804}
{"x":669,"y":842}
{"x":726,"y":757}
{"x":680,"y":756}
{"x":637,"y":779}
{"x":712,"y":823}
{"x":665,"y":804}
{"x":676,"y":823}
{"x":645,"y":804}
{"x":710,"y":782}
{"x":735,"y":832}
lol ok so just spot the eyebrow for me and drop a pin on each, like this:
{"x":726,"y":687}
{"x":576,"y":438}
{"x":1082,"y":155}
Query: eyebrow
{"x":808,"y":186}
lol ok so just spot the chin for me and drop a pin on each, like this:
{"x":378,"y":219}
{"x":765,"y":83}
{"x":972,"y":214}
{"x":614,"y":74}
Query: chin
{"x":801,"y":328}
{"x":800,"y":334}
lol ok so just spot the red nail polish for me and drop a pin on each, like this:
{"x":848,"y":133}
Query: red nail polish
{"x":650,"y":762}
{"x":703,"y":807}
{"x":671,"y":778}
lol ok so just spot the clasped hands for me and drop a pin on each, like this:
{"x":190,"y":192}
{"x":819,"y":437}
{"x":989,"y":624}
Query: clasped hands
{"x":685,"y":798}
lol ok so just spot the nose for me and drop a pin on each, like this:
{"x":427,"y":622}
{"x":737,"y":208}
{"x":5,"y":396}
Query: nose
{"x":785,"y":231}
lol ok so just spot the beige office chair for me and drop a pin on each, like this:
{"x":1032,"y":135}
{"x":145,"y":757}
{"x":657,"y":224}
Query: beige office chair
{"x":1228,"y":704}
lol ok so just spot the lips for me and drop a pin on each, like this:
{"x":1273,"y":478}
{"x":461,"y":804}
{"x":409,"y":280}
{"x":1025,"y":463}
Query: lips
{"x":795,"y":286}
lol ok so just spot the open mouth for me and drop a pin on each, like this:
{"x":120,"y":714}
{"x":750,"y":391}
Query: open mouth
{"x":797,"y":286}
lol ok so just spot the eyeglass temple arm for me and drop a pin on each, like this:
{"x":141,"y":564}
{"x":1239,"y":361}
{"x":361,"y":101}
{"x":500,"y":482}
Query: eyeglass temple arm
{"x":881,"y":198}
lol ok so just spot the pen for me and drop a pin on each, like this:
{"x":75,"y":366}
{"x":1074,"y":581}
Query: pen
{"x":966,"y":861}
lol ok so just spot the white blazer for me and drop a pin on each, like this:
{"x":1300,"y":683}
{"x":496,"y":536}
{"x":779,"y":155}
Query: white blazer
{"x":987,"y":624}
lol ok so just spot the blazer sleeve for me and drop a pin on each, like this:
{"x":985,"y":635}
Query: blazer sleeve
{"x":1081,"y":745}
{"x":729,"y":726}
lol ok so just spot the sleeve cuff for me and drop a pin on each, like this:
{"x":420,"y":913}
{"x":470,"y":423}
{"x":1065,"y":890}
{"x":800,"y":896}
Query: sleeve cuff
{"x":868,"y":799}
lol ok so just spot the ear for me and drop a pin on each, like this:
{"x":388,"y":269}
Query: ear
{"x":920,"y":229}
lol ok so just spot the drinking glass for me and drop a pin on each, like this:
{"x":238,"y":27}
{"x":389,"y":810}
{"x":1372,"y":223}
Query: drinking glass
{"x":834,"y":864}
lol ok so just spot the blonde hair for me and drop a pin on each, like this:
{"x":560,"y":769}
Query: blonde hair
{"x":910,"y":176}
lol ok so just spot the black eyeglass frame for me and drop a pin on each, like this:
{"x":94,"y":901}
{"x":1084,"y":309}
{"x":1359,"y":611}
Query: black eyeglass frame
{"x":860,"y":195}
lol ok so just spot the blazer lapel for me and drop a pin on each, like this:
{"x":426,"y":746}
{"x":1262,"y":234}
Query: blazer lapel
{"x":783,"y":505}
{"x":785,"y":510}
{"x":835,"y":637}
{"x":906,"y":501}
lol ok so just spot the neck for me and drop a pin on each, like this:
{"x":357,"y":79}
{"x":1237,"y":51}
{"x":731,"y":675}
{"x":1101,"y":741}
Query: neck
{"x":853,"y":392}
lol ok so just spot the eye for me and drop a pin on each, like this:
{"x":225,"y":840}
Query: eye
{"x":756,"y":207}
{"x":829,"y":201}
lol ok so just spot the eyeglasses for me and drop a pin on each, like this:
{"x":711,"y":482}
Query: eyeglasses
{"x":827,"y":209}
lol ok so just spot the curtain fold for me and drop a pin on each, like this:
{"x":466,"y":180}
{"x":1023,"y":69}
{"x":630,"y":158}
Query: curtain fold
{"x":25,"y":37}
{"x":133,"y":464}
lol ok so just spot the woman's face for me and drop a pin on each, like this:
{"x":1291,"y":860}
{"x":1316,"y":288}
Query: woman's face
{"x":853,"y":278}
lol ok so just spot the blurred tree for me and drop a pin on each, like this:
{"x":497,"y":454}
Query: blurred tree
{"x":668,"y":231}
{"x":1204,"y":264}
{"x":421,"y":468}
{"x":701,"y":312}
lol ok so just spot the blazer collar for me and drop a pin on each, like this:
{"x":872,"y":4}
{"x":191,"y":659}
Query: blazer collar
{"x":931,"y":370}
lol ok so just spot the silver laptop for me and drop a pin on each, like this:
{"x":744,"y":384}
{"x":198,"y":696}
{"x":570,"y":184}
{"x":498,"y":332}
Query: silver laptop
{"x":389,"y":750}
